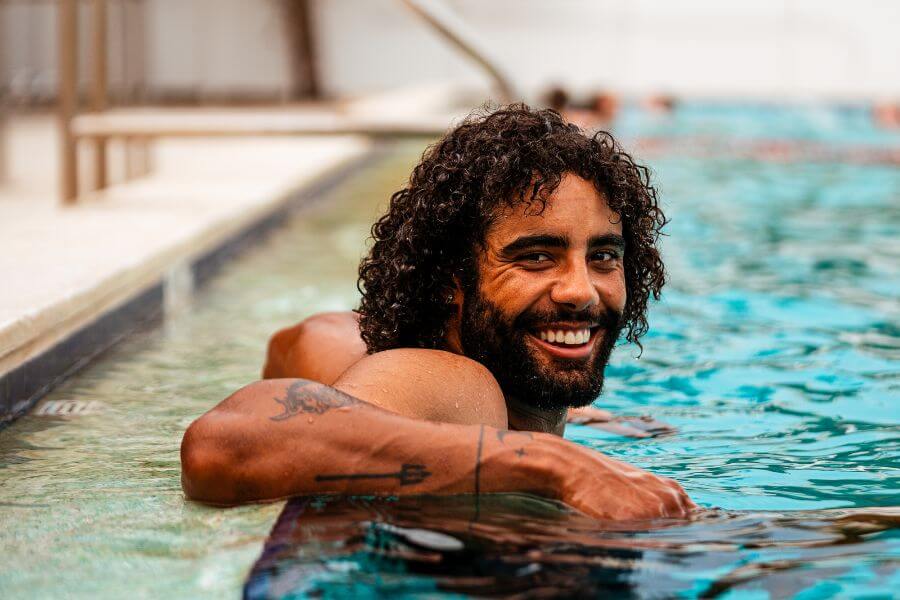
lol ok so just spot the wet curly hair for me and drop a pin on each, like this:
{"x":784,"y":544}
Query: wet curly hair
{"x":435,"y":226}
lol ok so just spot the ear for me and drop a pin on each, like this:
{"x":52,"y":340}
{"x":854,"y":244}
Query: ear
{"x":455,"y":297}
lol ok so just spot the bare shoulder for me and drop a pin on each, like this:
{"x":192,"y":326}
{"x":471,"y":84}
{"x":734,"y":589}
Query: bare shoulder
{"x":427,"y":384}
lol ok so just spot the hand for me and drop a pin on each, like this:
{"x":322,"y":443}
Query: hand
{"x":637,"y":427}
{"x":605,"y":488}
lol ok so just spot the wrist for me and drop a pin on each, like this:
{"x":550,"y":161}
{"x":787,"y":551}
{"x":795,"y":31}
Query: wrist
{"x":534,"y":463}
{"x":557,"y":460}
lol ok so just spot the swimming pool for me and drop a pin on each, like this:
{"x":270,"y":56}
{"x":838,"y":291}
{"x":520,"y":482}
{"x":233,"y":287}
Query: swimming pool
{"x":775,"y":352}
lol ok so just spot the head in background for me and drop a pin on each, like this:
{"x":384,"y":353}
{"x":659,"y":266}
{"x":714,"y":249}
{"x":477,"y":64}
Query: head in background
{"x":557,"y":99}
{"x":605,"y":106}
{"x":660,"y":104}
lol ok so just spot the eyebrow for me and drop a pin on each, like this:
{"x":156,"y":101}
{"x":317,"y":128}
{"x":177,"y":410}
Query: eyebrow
{"x":608,"y":239}
{"x":534,"y":241}
{"x":527,"y":242}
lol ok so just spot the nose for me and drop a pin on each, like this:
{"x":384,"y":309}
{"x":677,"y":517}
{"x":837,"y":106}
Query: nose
{"x":574,"y":288}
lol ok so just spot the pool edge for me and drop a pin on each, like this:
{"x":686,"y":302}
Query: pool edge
{"x":23,"y":386}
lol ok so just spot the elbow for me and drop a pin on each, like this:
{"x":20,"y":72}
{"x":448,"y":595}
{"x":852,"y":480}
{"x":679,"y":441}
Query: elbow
{"x":319,"y":348}
{"x":290,"y":342}
{"x":207,"y":468}
{"x":279,"y":345}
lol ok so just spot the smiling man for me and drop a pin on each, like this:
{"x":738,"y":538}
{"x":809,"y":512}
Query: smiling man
{"x":498,"y":283}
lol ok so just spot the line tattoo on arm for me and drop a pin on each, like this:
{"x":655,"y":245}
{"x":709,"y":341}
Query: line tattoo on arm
{"x":304,"y":396}
{"x":408,"y":474}
{"x":478,"y":461}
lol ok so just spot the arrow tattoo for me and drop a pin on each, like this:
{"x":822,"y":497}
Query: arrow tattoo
{"x":408,"y":474}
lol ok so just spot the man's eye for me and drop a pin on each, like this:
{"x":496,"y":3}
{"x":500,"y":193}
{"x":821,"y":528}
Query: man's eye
{"x":536,"y":257}
{"x":605,"y":256}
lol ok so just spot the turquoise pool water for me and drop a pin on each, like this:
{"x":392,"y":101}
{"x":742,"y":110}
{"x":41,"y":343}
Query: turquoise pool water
{"x":775,"y":352}
{"x":776,"y":348}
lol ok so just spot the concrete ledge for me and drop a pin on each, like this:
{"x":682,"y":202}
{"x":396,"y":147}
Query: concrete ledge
{"x":22,"y":387}
{"x":87,"y":276}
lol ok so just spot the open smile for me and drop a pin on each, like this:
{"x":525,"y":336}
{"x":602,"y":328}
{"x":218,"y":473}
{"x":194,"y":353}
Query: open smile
{"x":570,"y":341}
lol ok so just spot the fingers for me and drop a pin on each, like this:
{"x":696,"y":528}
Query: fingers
{"x":636,"y":427}
{"x":606,"y":488}
{"x":679,"y":502}
{"x":588,"y":414}
{"x":648,"y":425}
{"x":619,"y":429}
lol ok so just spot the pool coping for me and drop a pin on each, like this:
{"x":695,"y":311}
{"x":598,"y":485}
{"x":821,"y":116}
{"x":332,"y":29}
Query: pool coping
{"x":22,"y":386}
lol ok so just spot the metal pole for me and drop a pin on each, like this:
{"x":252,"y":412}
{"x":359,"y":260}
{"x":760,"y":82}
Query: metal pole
{"x":67,"y":97}
{"x":3,"y":134}
{"x":455,"y":31}
{"x":301,"y":39}
{"x":3,"y":101}
{"x":99,"y":87}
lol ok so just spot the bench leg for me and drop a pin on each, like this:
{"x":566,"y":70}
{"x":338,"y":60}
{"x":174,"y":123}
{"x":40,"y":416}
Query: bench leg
{"x":67,"y":94}
{"x":138,"y":159}
{"x":98,"y":89}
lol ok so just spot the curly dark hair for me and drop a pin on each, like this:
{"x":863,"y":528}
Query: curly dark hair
{"x":436,"y":224}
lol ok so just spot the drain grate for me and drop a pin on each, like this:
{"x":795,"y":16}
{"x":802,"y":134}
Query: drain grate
{"x":68,"y":408}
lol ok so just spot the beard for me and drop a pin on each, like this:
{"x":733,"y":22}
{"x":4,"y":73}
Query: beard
{"x":552,"y":384}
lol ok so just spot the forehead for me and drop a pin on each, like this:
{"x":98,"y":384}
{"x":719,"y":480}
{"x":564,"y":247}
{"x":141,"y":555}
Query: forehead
{"x":575,"y":210}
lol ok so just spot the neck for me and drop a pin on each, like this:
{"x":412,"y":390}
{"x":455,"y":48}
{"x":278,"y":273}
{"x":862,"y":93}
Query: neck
{"x":524,"y":417}
{"x":521,"y":416}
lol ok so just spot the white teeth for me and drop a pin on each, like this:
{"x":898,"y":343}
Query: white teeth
{"x":570,"y":338}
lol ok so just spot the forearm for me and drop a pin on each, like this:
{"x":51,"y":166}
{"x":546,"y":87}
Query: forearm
{"x":284,"y":437}
{"x":308,"y":438}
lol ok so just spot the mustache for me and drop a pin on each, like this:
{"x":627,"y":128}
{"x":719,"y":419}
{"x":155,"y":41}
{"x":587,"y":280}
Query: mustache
{"x":608,"y":319}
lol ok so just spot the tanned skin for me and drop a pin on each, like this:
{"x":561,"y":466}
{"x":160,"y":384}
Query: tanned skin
{"x":416,"y":421}
{"x":319,"y":348}
{"x":322,"y":347}
{"x":309,"y":438}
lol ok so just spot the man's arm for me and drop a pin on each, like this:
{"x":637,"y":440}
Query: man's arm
{"x":278,"y":438}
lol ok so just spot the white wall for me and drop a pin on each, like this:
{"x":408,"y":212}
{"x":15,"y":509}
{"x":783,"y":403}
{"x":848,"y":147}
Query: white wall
{"x":756,"y":48}
{"x":215,"y":46}
{"x":752,"y":48}
{"x":180,"y":46}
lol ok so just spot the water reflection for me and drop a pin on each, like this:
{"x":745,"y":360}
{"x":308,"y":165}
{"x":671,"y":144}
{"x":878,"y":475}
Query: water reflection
{"x":521,"y":546}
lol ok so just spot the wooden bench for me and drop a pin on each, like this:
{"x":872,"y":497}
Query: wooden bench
{"x":140,"y":125}
{"x":204,"y":122}
{"x":137,"y":126}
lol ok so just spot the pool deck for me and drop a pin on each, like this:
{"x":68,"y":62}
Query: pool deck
{"x":78,"y":278}
{"x":134,"y":250}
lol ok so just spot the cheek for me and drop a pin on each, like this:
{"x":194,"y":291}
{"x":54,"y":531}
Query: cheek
{"x":513,"y":291}
{"x":613,"y":291}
